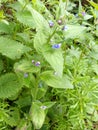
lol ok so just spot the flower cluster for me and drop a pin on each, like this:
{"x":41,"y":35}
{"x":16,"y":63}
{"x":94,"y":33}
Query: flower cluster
{"x":36,"y":63}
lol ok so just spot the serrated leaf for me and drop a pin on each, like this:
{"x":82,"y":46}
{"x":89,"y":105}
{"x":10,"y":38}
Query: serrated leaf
{"x":55,"y":81}
{"x":39,"y":40}
{"x":25,"y":17}
{"x":13,"y":118}
{"x":9,"y":85}
{"x":55,"y":59}
{"x":11,"y":48}
{"x":37,"y":115}
{"x":4,"y":28}
{"x":38,"y":19}
{"x":26,"y":66}
{"x":74,"y":31}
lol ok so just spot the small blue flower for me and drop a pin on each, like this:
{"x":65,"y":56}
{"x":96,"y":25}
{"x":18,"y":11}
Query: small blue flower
{"x":43,"y":107}
{"x":65,"y":28}
{"x":56,"y":46}
{"x":25,"y":75}
{"x":37,"y":63}
{"x":51,"y":23}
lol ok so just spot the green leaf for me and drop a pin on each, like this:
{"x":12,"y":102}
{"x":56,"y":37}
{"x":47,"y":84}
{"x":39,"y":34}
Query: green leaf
{"x":26,"y":66}
{"x":74,"y":31}
{"x":13,"y":118}
{"x":93,"y":4}
{"x":9,"y":85}
{"x":4,"y":28}
{"x":40,"y":39}
{"x":55,"y":59}
{"x":49,"y":104}
{"x":25,"y":17}
{"x":1,"y":65}
{"x":38,"y":19}
{"x":37,"y":115}
{"x":11,"y":48}
{"x":55,"y":81}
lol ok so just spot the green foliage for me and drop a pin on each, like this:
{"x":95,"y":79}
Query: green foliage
{"x":9,"y":85}
{"x":11,"y":48}
{"x":48,"y":65}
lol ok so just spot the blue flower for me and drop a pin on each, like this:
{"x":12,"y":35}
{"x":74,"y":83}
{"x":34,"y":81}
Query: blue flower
{"x":37,"y":63}
{"x":51,"y":23}
{"x":56,"y":46}
{"x":25,"y":75}
{"x":65,"y":28}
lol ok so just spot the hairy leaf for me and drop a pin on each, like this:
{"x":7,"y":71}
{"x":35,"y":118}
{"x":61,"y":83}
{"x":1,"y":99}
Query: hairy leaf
{"x":9,"y":85}
{"x":55,"y":81}
{"x":11,"y":48}
{"x":37,"y":115}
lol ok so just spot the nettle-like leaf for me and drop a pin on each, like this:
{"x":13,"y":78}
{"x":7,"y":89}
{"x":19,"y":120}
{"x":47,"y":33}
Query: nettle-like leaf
{"x":9,"y":85}
{"x":4,"y":28}
{"x":53,"y":80}
{"x":38,"y":19}
{"x":55,"y":59}
{"x":40,"y":39}
{"x":74,"y":31}
{"x":53,"y":56}
{"x":25,"y":17}
{"x":37,"y":115}
{"x":31,"y":17}
{"x":12,"y":49}
{"x":13,"y":118}
{"x":26,"y":66}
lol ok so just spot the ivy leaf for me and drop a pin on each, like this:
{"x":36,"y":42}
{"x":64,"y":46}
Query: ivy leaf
{"x":11,"y":48}
{"x":9,"y":85}
{"x":55,"y":81}
{"x":37,"y":115}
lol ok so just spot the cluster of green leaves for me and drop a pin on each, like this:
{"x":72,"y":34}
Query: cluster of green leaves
{"x":43,"y":86}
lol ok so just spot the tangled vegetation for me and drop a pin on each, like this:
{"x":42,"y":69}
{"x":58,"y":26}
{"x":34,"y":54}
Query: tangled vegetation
{"x":48,"y":65}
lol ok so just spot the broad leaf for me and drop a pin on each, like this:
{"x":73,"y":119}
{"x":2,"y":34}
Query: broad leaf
{"x":37,"y":115}
{"x":37,"y":18}
{"x":55,"y":81}
{"x":55,"y":59}
{"x":26,"y":66}
{"x":9,"y":85}
{"x":74,"y":31}
{"x":25,"y":17}
{"x":12,"y":49}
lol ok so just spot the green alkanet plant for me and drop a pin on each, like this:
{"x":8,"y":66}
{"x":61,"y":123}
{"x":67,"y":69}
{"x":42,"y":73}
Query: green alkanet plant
{"x":48,"y":65}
